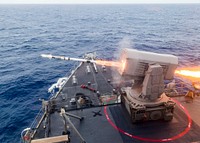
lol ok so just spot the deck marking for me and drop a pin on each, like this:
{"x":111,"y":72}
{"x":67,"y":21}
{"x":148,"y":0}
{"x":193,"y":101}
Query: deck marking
{"x":185,"y":131}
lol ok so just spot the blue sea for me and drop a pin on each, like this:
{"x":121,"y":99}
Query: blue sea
{"x":26,"y":31}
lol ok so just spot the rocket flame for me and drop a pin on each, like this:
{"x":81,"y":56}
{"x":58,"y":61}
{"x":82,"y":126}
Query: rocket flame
{"x":108,"y":63}
{"x":119,"y":65}
{"x":192,"y":74}
{"x":123,"y":65}
{"x":188,"y":73}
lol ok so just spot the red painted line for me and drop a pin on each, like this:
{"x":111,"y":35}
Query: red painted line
{"x":185,"y":131}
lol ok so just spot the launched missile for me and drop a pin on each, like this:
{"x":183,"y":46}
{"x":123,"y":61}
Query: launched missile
{"x":66,"y":58}
{"x":87,"y":60}
{"x":46,"y":56}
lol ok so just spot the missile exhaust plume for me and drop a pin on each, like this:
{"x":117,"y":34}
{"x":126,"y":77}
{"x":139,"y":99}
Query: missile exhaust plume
{"x":191,"y":74}
{"x":188,"y":73}
{"x":108,"y":63}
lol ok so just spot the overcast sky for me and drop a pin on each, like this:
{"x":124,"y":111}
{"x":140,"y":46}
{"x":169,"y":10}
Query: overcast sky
{"x":93,"y":1}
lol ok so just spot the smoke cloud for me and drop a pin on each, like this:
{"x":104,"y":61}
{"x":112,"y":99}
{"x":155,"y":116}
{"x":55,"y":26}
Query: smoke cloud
{"x":124,"y":43}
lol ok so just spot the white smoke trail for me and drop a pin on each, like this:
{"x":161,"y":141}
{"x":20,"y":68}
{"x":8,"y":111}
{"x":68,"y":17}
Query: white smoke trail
{"x":124,"y":43}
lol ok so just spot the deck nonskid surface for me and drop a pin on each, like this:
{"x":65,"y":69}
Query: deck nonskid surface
{"x":98,"y":129}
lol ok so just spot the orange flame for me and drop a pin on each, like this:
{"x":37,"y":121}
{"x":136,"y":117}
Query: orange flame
{"x":123,"y":65}
{"x":108,"y":63}
{"x":119,"y":65}
{"x":188,"y":73}
{"x":193,"y":74}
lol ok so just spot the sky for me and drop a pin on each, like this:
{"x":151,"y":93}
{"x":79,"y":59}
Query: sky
{"x":93,"y":1}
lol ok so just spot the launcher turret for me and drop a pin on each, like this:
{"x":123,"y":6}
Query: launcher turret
{"x":146,"y":99}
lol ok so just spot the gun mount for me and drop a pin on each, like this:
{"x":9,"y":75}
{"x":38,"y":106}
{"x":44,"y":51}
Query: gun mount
{"x":146,"y":99}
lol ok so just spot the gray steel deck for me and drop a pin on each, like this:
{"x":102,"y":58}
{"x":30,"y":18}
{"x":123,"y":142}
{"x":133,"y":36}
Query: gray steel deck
{"x":98,"y":129}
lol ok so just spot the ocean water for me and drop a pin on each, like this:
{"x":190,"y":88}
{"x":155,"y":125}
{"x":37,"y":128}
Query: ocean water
{"x":26,"y":31}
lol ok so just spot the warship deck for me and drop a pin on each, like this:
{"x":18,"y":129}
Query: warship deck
{"x":111,"y":123}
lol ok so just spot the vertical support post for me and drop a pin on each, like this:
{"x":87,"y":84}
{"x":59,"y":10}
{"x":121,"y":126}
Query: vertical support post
{"x":66,"y":117}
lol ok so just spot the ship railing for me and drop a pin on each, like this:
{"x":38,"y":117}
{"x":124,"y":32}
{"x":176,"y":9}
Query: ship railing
{"x":41,"y":114}
{"x":37,"y":119}
{"x":28,"y":133}
{"x":76,"y":65}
